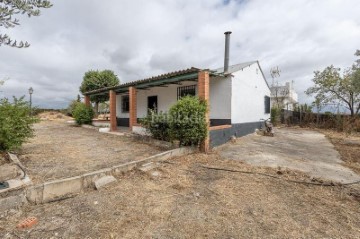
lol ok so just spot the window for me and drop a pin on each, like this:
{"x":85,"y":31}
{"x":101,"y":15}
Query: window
{"x":153,"y":103}
{"x":267,"y":104}
{"x":186,"y":90}
{"x":125,"y":105}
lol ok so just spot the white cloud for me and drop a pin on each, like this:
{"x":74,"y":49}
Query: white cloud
{"x":137,"y":39}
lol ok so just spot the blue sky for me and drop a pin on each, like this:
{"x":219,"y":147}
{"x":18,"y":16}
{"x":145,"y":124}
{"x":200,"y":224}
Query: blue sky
{"x":139,"y":38}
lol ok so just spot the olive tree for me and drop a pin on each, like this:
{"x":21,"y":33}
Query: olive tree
{"x":332,"y":85}
{"x":9,"y":8}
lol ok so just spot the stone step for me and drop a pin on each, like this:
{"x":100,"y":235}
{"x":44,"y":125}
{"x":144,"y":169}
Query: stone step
{"x":149,"y":166}
{"x":101,"y":182}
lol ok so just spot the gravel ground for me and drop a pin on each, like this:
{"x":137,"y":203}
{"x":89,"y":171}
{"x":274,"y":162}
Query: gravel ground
{"x":60,"y":150}
{"x":186,"y":200}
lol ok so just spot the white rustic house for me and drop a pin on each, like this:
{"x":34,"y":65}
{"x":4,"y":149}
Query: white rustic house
{"x":238,"y":97}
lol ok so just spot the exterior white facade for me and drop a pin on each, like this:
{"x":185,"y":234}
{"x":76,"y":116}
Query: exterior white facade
{"x":234,"y":99}
{"x":249,"y":87}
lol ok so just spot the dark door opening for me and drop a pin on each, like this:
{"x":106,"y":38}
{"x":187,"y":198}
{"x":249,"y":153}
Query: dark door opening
{"x":152,"y":103}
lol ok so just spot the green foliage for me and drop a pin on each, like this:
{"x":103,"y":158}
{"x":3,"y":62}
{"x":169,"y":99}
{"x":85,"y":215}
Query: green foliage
{"x":157,"y":125}
{"x":332,"y":86}
{"x":83,"y":114}
{"x":188,"y":124}
{"x":94,"y":80}
{"x":185,"y":122}
{"x":10,"y":8}
{"x":15,"y":123}
{"x":71,"y":107}
{"x":275,"y":115}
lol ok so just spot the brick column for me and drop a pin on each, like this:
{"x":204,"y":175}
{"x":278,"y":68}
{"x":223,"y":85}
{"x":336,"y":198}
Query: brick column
{"x":113,"y":123}
{"x":204,"y":92}
{"x":87,"y":100}
{"x":132,"y":110}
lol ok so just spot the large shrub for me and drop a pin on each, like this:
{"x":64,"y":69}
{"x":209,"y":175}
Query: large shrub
{"x":15,"y":123}
{"x":188,"y":123}
{"x":83,"y":114}
{"x":70,"y":109}
{"x":157,"y":124}
{"x":185,"y":122}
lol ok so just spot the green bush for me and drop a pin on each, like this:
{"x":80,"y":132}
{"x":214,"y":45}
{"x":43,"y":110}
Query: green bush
{"x":185,"y":122}
{"x":71,"y":107}
{"x":157,"y":125}
{"x":15,"y":123}
{"x":188,"y":122}
{"x":275,"y":115}
{"x":83,"y":114}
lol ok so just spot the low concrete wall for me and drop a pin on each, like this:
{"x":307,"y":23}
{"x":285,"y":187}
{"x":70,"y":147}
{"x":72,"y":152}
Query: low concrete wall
{"x":221,"y":136}
{"x":63,"y":188}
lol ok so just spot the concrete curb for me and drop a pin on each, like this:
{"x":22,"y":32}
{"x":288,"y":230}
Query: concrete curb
{"x":69,"y":187}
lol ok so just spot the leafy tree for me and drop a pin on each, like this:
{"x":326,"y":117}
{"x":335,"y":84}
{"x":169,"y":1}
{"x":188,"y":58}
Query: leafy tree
{"x":15,"y":123}
{"x":94,"y":80}
{"x":332,"y":86}
{"x":9,"y":8}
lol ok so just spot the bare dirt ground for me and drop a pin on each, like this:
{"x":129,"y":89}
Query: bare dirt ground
{"x":60,"y":150}
{"x":187,"y":200}
{"x":348,"y":145}
{"x":295,"y":148}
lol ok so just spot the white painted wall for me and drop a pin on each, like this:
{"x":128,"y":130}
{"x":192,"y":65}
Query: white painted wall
{"x":248,"y":91}
{"x":166,"y":96}
{"x":220,"y":98}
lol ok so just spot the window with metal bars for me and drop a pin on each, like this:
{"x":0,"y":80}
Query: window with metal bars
{"x":125,"y":105}
{"x":267,"y":104}
{"x":186,"y":90}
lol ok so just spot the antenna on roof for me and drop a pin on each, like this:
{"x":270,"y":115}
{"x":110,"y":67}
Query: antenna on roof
{"x":274,"y":72}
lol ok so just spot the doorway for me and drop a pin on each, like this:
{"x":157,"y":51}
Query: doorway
{"x":153,"y":103}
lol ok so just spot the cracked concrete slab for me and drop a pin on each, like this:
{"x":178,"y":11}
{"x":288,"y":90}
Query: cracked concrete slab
{"x":298,"y":149}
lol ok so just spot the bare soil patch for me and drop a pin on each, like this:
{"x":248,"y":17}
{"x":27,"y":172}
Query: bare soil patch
{"x":348,"y":145}
{"x":60,"y":150}
{"x":189,"y":201}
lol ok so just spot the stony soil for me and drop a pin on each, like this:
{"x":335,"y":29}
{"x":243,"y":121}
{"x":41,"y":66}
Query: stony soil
{"x":60,"y":150}
{"x":188,"y":201}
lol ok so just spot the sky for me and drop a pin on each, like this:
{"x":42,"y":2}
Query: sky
{"x":140,"y":38}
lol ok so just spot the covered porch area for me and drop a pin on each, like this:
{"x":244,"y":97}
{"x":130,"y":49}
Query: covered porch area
{"x":131,"y":101}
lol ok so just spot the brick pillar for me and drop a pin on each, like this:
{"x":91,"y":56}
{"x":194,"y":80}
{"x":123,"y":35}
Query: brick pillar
{"x":113,"y":123}
{"x":87,"y":100}
{"x":204,"y":92}
{"x":133,"y":110}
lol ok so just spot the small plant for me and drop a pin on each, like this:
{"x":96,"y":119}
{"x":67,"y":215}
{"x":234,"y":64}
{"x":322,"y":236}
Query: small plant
{"x":83,"y":114}
{"x":275,"y":115}
{"x":15,"y":123}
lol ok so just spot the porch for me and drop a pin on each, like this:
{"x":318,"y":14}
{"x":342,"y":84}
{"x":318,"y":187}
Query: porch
{"x":131,"y":101}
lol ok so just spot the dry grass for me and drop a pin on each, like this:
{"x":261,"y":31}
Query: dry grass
{"x":348,"y":146}
{"x":189,"y":201}
{"x":53,"y":115}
